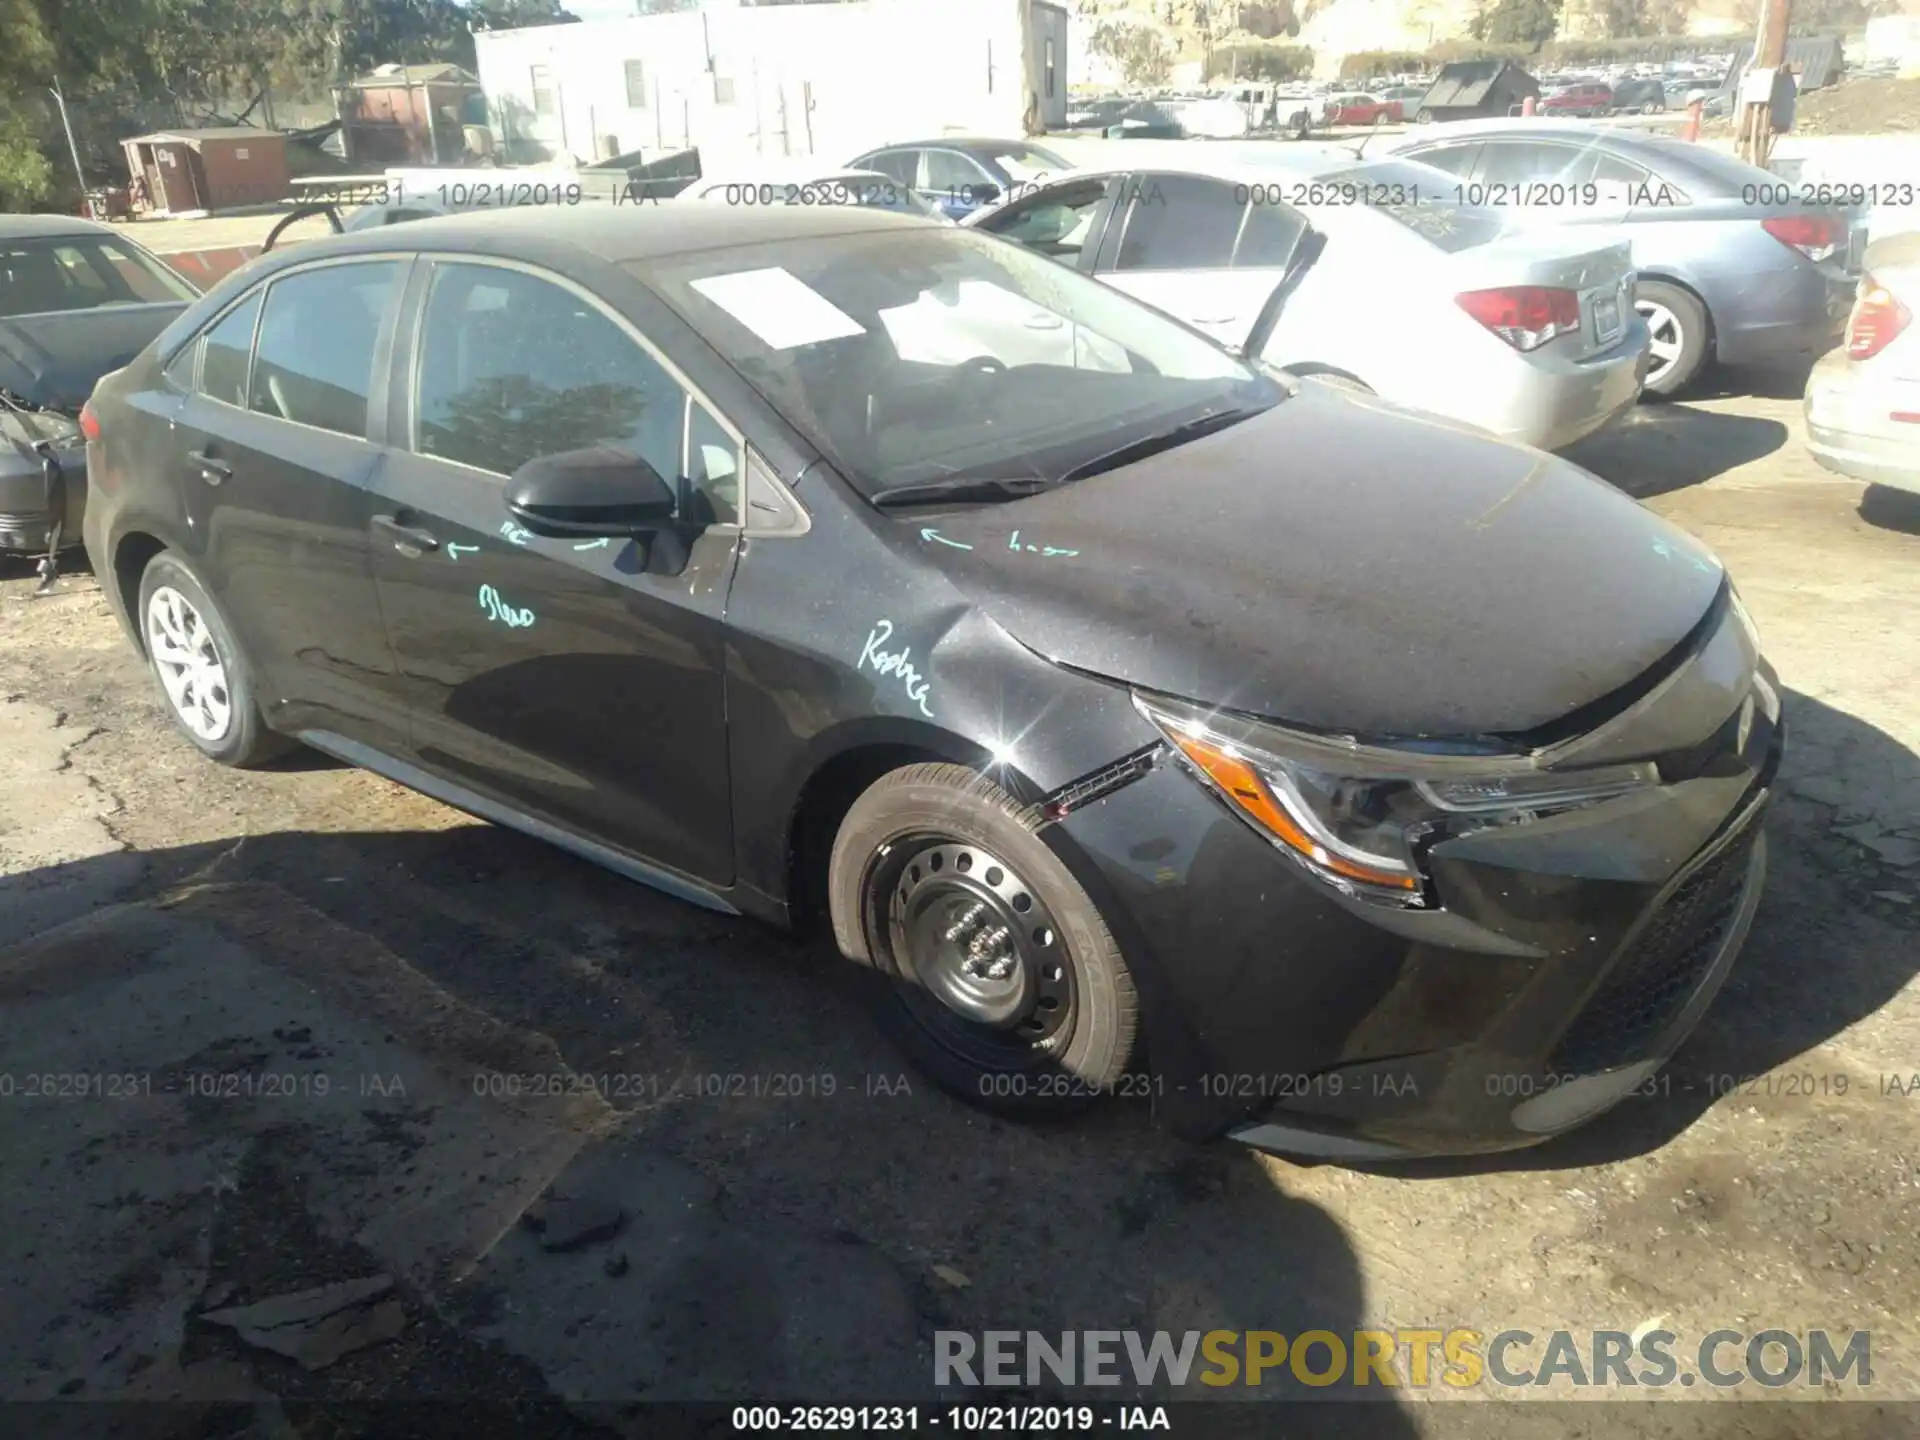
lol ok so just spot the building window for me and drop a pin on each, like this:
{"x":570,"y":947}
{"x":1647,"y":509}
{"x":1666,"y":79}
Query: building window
{"x":1049,"y":67}
{"x":636,"y":85}
{"x":542,"y":85}
{"x":723,"y":90}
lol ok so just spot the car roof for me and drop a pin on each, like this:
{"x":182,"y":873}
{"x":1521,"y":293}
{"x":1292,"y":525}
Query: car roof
{"x":800,"y":172}
{"x":30,"y":227}
{"x":615,"y":234}
{"x":957,"y":142}
{"x":1151,"y":160}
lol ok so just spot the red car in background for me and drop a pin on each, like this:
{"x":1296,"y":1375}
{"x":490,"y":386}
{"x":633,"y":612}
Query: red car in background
{"x":1588,"y":99}
{"x":1361,"y":109}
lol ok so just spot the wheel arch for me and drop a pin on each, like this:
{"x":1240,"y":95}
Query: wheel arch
{"x":132,"y":553}
{"x":1668,"y":277}
{"x":844,"y":763}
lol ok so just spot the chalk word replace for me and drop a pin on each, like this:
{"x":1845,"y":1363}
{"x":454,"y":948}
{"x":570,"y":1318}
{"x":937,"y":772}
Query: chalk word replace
{"x":884,"y":662}
{"x":502,"y":613}
{"x":517,"y":534}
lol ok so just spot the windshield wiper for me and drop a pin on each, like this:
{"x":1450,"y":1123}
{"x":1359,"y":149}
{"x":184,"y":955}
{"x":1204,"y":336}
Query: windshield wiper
{"x":960,"y":487}
{"x":1160,"y":440}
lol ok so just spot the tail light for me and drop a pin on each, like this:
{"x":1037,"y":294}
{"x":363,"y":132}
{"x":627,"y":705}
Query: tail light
{"x":1818,"y":237}
{"x":1525,"y":316}
{"x":1877,"y":317}
{"x":89,"y":421}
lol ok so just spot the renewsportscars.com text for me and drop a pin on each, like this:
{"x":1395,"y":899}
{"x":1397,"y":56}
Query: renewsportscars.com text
{"x":1458,"y":1358}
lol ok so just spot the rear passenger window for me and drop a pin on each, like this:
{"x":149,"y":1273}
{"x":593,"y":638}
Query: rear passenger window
{"x":1267,"y":236}
{"x":900,"y":166}
{"x":1454,"y":159}
{"x":513,"y":367}
{"x":1516,"y":162}
{"x":229,"y":349}
{"x":1180,"y":222}
{"x":313,"y":364}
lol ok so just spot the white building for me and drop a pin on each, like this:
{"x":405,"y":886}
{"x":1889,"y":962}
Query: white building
{"x":737,"y":81}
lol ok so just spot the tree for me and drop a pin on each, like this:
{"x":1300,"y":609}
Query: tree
{"x":1143,"y":55}
{"x":1517,"y":22}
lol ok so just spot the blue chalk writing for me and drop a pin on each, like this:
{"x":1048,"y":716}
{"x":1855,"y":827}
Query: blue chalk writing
{"x":1013,"y":543}
{"x":453,"y":550}
{"x":519,"y":535}
{"x":502,"y":613}
{"x":937,"y":538}
{"x":894,"y":663}
{"x":599,"y":544}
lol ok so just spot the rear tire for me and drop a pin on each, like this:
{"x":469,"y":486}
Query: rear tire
{"x":1007,"y":987}
{"x":1679,"y":324}
{"x":206,"y":682}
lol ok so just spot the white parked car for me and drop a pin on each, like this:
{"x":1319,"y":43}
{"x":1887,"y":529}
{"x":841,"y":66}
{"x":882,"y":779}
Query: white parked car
{"x":1364,"y":272}
{"x":1863,"y":399}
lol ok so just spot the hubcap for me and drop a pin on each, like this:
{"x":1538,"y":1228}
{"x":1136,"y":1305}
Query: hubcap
{"x":977,"y":939}
{"x":1668,"y":338}
{"x":188,"y":664}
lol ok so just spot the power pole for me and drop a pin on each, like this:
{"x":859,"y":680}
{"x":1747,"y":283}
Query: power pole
{"x":73,"y":150}
{"x":1769,"y":54}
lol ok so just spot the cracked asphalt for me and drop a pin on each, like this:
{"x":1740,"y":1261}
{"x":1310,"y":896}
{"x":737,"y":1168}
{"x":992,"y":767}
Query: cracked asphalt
{"x":332,"y":1029}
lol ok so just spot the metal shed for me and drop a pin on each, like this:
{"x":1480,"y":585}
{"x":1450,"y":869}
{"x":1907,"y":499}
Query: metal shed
{"x":411,"y":115}
{"x":1475,"y":89}
{"x":197,"y":172}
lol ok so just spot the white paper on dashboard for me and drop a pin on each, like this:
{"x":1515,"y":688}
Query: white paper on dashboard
{"x":779,"y":307}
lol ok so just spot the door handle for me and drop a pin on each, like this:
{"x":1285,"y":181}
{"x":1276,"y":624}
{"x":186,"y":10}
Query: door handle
{"x":211,"y":470}
{"x":410,"y":540}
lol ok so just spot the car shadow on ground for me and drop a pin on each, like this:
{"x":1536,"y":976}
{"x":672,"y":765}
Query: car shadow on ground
{"x":754,"y":1064}
{"x":1781,"y":379}
{"x":1827,"y":948}
{"x":1656,"y":448}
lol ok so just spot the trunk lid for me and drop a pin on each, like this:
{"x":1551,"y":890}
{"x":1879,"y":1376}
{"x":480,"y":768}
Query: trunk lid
{"x":1600,"y":274}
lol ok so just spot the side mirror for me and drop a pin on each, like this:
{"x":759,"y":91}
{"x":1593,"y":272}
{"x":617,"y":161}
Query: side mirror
{"x":595,"y":492}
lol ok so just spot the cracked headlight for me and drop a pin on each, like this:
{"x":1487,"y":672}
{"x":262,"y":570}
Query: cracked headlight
{"x":1362,"y":817}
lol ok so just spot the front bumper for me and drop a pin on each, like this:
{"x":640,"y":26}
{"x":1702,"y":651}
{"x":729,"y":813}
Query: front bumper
{"x":1567,"y":959}
{"x":26,"y":508}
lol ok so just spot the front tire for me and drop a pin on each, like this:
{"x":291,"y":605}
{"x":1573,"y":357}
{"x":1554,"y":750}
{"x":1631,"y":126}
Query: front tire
{"x":205,"y":680}
{"x":1007,"y":987}
{"x":1679,"y":324}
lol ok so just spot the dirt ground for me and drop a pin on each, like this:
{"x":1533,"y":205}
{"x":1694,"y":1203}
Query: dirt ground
{"x":1855,"y":107}
{"x":335,"y":1030}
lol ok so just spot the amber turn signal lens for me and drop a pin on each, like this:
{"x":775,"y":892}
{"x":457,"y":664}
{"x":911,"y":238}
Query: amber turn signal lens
{"x":1242,"y":784}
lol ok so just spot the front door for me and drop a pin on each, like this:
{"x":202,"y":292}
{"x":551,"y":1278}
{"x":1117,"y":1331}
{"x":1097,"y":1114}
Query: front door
{"x":272,"y":451}
{"x":579,"y":682}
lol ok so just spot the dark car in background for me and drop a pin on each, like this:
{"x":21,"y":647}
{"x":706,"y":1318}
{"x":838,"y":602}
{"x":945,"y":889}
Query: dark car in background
{"x":1645,"y":96}
{"x":962,"y":173}
{"x":1735,"y":266}
{"x":77,"y":299}
{"x":829,"y":562}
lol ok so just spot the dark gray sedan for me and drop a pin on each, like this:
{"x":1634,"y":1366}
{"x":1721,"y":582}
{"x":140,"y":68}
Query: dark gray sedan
{"x":1735,"y":264}
{"x":77,"y":300}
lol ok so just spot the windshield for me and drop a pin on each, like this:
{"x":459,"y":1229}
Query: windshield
{"x":1025,"y":163}
{"x":82,"y":272}
{"x":1423,"y":198}
{"x":919,"y":354}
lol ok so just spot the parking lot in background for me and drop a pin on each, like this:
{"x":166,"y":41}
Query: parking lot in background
{"x":803,"y":1213}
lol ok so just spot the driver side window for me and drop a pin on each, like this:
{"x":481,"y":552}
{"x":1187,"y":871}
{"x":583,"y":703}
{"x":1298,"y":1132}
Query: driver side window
{"x":512,"y":367}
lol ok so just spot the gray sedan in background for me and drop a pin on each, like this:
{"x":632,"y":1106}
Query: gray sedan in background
{"x":1735,"y":264}
{"x":1360,"y":272}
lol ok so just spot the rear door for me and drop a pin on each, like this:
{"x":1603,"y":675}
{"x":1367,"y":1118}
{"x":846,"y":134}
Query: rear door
{"x":579,"y":682}
{"x":273,"y":458}
{"x":1208,"y":251}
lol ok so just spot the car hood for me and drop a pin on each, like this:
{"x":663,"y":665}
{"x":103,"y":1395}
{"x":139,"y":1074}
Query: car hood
{"x":1342,"y":564}
{"x":55,"y":359}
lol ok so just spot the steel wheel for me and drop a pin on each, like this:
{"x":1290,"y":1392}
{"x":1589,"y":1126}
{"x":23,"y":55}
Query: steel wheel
{"x":189,"y":665}
{"x":1669,"y":337}
{"x":988,"y":976}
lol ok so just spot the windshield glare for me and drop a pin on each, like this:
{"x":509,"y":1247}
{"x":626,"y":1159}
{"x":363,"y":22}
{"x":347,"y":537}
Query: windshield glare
{"x":917,"y":354}
{"x":1425,"y":199}
{"x":82,"y":272}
